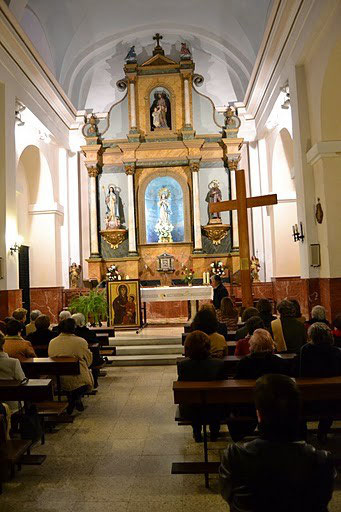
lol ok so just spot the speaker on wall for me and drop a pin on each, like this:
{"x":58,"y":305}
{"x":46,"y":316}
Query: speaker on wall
{"x":315,"y":256}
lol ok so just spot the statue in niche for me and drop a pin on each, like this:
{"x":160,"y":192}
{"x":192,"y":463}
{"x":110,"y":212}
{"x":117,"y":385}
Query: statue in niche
{"x":114,"y":215}
{"x":160,"y":111}
{"x":164,"y":227}
{"x":213,"y":196}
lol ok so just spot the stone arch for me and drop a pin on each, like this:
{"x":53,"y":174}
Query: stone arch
{"x":37,"y":217}
{"x":141,"y":191}
{"x":330,"y":97}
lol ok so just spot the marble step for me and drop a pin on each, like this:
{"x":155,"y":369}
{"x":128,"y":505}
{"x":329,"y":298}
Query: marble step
{"x":133,"y":340}
{"x":145,"y":360}
{"x":132,"y":350}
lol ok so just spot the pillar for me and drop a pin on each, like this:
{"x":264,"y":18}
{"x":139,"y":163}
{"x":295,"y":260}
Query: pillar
{"x":187,"y":106}
{"x":130,"y":171}
{"x":94,"y":248}
{"x":195,"y":166}
{"x":132,"y":105}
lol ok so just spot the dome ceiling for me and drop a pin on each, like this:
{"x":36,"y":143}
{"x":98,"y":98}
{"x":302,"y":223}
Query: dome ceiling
{"x":84,"y":43}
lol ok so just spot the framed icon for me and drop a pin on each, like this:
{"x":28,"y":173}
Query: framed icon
{"x":124,"y":302}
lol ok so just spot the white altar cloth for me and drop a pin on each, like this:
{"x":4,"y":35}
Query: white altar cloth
{"x":176,"y":293}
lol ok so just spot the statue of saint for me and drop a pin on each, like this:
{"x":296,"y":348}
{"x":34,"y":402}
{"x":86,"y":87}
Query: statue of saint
{"x":164,"y":226}
{"x":114,"y":215}
{"x":160,"y":111}
{"x":255,"y":268}
{"x":74,"y":275}
{"x":213,"y":196}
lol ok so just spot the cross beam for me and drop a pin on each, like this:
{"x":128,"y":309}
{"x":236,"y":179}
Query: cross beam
{"x":241,"y":204}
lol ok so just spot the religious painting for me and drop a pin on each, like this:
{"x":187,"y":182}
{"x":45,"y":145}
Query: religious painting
{"x":160,"y":109}
{"x":124,"y":303}
{"x":164,"y":211}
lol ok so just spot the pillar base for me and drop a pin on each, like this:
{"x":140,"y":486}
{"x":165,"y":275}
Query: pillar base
{"x":133,"y":253}
{"x":198,"y":251}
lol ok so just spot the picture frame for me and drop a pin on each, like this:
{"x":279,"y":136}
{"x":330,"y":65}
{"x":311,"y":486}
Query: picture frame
{"x":124,"y":304}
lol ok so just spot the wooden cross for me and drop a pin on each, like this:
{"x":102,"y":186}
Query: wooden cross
{"x":157,"y":38}
{"x":241,"y":204}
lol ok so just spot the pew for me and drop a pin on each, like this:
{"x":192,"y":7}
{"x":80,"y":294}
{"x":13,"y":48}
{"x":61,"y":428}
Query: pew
{"x":316,"y":393}
{"x":57,"y":366}
{"x":33,"y":390}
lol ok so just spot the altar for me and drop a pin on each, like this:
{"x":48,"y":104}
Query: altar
{"x":156,"y":161}
{"x":190,"y":294}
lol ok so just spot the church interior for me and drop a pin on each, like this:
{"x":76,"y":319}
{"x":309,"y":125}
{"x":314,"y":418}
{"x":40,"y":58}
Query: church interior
{"x":168,"y":169}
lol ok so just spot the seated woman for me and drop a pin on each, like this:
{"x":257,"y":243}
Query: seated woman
{"x":10,"y":369}
{"x":288,"y":333}
{"x":264,"y":308}
{"x":15,"y":345}
{"x":247,"y":313}
{"x":318,"y":314}
{"x":298,"y":313}
{"x":319,"y":358}
{"x":200,"y":366}
{"x":67,"y":344}
{"x":243,"y":345}
{"x":337,"y":330}
{"x":42,"y":336}
{"x":261,"y":361}
{"x":206,"y":321}
{"x":227,"y":314}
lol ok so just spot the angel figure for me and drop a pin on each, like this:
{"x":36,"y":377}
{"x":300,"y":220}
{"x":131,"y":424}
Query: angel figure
{"x":254,"y":268}
{"x":74,"y":275}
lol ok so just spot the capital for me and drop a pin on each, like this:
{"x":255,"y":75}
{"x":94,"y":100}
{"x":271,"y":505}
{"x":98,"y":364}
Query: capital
{"x":93,"y":171}
{"x":194,"y":166}
{"x":232,"y":163}
{"x":129,"y":169}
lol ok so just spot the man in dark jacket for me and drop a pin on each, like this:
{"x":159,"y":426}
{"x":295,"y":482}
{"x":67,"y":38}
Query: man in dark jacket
{"x":219,"y":290}
{"x":276,"y":472}
{"x":42,"y":336}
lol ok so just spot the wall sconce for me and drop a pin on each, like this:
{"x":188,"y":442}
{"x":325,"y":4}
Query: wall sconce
{"x":298,"y":235}
{"x":15,"y":248}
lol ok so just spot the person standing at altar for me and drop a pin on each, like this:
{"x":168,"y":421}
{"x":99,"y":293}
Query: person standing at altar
{"x":219,"y":290}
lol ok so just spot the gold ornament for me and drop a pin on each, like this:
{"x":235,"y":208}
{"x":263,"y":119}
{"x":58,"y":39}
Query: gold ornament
{"x":114,"y":237}
{"x":215,"y":232}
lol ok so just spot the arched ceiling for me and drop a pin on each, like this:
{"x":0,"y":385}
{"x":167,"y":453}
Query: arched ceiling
{"x":84,"y":42}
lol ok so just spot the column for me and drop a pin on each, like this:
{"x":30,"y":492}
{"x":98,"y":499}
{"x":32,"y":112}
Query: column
{"x":130,"y":171}
{"x":195,"y":166}
{"x":132,"y":105}
{"x":187,"y":108}
{"x":93,"y":173}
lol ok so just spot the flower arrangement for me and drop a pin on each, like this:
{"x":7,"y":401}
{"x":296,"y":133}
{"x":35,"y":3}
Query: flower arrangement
{"x":217,"y":268}
{"x":112,"y":273}
{"x":189,"y":275}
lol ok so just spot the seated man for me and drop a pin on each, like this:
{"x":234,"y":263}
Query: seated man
{"x":199,"y":365}
{"x":319,"y":358}
{"x":247,"y":313}
{"x":277,"y":472}
{"x":67,"y":344}
{"x":42,"y":335}
{"x":15,"y":346}
{"x":63,"y":315}
{"x":31,"y":327}
{"x":243,"y":345}
{"x":20,"y":314}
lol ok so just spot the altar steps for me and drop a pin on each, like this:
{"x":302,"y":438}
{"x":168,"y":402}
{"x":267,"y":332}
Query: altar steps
{"x":146,"y":348}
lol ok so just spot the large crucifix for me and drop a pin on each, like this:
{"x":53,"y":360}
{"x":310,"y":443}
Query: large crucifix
{"x":241,"y":204}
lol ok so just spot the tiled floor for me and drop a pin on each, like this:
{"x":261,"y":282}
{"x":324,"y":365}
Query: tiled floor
{"x":117,"y":455}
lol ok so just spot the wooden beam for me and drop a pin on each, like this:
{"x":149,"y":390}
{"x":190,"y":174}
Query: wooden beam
{"x":252,"y":202}
{"x":224,"y":206}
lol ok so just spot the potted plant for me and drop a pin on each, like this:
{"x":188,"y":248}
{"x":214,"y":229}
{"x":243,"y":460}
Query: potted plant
{"x":189,"y":275}
{"x":93,"y":306}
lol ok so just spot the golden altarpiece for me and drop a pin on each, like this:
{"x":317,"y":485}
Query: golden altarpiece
{"x":155,"y":163}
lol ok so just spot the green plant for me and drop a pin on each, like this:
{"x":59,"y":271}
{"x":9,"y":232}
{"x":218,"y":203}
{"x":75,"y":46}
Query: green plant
{"x":93,"y":305}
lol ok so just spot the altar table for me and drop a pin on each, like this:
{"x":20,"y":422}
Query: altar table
{"x":190,"y":294}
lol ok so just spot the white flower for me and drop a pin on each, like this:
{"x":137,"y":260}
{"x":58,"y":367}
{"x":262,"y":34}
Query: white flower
{"x":212,"y":264}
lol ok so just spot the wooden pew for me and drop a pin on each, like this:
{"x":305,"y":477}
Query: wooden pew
{"x":34,"y":390}
{"x":57,"y":366}
{"x":316,"y":393}
{"x":110,"y":331}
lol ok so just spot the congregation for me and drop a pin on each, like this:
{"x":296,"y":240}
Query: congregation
{"x":271,"y":348}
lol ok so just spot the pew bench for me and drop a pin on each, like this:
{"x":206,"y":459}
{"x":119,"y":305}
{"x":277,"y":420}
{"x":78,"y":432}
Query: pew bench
{"x":316,"y":393}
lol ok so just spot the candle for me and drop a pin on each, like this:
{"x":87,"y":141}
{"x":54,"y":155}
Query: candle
{"x":204,"y":278}
{"x":119,"y":278}
{"x":127,"y":277}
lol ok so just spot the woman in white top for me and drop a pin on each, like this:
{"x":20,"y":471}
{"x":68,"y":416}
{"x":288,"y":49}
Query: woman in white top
{"x":10,"y":368}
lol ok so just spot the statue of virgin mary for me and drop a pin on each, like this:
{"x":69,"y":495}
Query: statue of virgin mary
{"x":164,"y":227}
{"x":114,"y":215}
